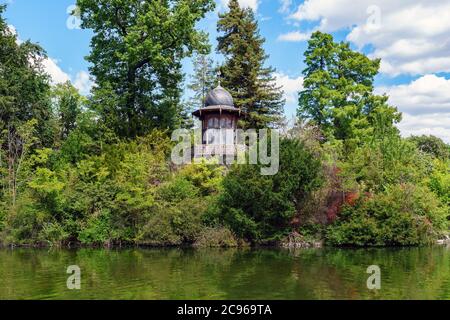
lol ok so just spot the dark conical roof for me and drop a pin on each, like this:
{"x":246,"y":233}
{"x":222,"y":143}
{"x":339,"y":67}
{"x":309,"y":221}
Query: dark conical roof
{"x":219,"y":97}
{"x":217,"y":101}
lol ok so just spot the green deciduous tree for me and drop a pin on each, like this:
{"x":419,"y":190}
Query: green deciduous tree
{"x":432,"y":145}
{"x":68,"y":105}
{"x":251,"y":84}
{"x":25,"y":109}
{"x":137,"y":49}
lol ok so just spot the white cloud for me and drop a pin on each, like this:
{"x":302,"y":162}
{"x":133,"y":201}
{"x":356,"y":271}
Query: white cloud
{"x":54,"y":71}
{"x":430,"y":124}
{"x":428,"y":94}
{"x":295,"y":36}
{"x":83,"y":82}
{"x":410,"y":36}
{"x":291,"y":87}
{"x":12,"y":29}
{"x":425,"y":104}
{"x":253,"y":4}
{"x":285,"y":6}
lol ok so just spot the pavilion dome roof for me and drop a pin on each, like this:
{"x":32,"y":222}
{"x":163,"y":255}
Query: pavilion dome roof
{"x":219,"y":97}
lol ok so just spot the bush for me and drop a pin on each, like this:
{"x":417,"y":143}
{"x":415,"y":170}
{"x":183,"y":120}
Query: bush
{"x":97,"y":229}
{"x":260,"y":208}
{"x":439,"y":181}
{"x":220,"y":237}
{"x":390,"y":161}
{"x":53,"y":233}
{"x":402,"y":215}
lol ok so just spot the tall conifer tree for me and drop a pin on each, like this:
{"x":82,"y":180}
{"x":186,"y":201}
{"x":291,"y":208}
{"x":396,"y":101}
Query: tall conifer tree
{"x":338,"y":93}
{"x":244,"y":73}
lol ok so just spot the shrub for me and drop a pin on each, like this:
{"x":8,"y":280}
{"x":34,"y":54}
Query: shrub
{"x":260,"y":208}
{"x":96,"y":230}
{"x":53,"y":233}
{"x":439,"y":181}
{"x":402,"y":215}
{"x":219,"y":237}
{"x":390,"y":161}
{"x":158,"y":229}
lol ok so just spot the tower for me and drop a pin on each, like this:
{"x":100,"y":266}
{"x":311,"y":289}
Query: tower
{"x":219,"y":118}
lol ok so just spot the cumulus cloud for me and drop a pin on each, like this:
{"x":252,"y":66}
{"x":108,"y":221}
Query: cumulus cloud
{"x":57,"y":76}
{"x":291,"y":87}
{"x":430,"y":124}
{"x":425,"y":104}
{"x":410,"y":36}
{"x":12,"y":29}
{"x":295,"y":36}
{"x":428,"y":94}
{"x":83,"y":82}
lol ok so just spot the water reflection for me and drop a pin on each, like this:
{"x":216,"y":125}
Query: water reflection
{"x":412,"y":273}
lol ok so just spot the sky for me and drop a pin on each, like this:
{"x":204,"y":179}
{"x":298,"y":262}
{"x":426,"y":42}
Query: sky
{"x":411,"y":37}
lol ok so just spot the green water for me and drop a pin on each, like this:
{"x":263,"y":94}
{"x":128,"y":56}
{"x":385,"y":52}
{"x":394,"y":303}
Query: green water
{"x":414,"y":273}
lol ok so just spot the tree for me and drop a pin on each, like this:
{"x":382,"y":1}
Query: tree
{"x":25,"y":109}
{"x":202,"y":80}
{"x":251,"y":84}
{"x":338,"y":94}
{"x":68,"y":105}
{"x":432,"y":145}
{"x":137,"y":49}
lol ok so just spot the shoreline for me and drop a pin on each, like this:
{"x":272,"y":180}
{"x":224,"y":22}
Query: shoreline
{"x":438,"y":243}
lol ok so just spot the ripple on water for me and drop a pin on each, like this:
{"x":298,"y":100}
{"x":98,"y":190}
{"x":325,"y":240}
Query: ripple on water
{"x":414,"y":273}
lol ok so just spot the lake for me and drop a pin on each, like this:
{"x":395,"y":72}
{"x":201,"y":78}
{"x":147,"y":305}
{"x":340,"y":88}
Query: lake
{"x":408,"y":273}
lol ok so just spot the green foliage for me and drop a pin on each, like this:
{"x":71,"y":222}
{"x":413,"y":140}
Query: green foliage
{"x":68,"y":104}
{"x":251,"y":84}
{"x":207,"y":178}
{"x":96,"y":171}
{"x":96,"y":229}
{"x":219,"y":237}
{"x":338,"y":95}
{"x":26,"y":119}
{"x":439,"y":181}
{"x":136,"y":56}
{"x":402,"y":215}
{"x":432,"y":145}
{"x":392,"y":160}
{"x":125,"y":194}
{"x":260,"y":208}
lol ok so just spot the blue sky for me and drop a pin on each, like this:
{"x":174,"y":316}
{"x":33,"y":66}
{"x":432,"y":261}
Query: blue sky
{"x":411,"y":37}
